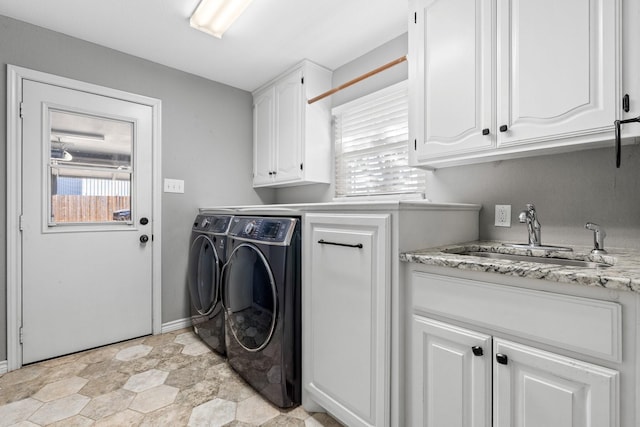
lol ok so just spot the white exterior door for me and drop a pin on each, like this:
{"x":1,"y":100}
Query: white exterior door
{"x":86,"y":215}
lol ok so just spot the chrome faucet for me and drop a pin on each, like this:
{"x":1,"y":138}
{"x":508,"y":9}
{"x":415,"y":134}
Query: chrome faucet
{"x":534,"y":228}
{"x":598,"y":238}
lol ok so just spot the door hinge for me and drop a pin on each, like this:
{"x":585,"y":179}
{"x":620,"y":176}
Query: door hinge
{"x":21,"y":110}
{"x":302,"y":80}
{"x":20,"y":219}
{"x":300,"y":166}
{"x":415,"y":17}
{"x":21,"y":335}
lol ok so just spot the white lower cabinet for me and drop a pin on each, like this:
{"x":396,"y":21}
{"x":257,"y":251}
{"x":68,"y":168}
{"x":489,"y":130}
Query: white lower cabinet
{"x":451,"y":380}
{"x":537,"y":388}
{"x":346,"y":306}
{"x":465,"y":378}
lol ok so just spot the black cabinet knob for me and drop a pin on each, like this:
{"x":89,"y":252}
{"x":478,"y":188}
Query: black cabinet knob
{"x":144,"y":238}
{"x":477,"y":350}
{"x":486,"y":131}
{"x":503,"y":128}
{"x":502,"y":358}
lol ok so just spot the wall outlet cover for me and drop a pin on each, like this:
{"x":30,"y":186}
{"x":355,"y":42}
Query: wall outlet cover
{"x":503,"y":216}
{"x":173,"y":185}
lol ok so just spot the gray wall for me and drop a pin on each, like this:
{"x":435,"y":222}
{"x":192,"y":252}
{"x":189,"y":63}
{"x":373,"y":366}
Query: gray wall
{"x":206,"y":139}
{"x":567,"y":189}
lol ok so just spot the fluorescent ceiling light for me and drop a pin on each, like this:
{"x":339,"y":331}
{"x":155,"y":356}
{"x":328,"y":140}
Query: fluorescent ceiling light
{"x":216,"y":16}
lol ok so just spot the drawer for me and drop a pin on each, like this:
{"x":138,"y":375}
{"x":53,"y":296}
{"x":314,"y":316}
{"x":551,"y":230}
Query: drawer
{"x":583,"y":325}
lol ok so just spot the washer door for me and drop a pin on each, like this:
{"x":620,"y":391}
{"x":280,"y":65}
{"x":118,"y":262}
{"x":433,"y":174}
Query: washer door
{"x":204,"y":272}
{"x":249,"y":297}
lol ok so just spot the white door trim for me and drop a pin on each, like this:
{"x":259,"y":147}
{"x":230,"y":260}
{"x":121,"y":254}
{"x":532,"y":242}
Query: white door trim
{"x":15,"y":77}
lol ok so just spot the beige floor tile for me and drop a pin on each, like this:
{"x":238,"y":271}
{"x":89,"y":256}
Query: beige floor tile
{"x":187,"y":338}
{"x":155,"y":398}
{"x":60,"y":389}
{"x":59,"y":409}
{"x":321,"y":420}
{"x":15,"y":412}
{"x":126,"y":418}
{"x":25,"y":374}
{"x":196,"y":349}
{"x":170,"y":388}
{"x":284,"y":421}
{"x":75,"y":421}
{"x":297,"y":412}
{"x":145,"y":380}
{"x":172,"y":415}
{"x":104,"y":384}
{"x":133,"y":352}
{"x":217,"y":412}
{"x":108,"y":404}
{"x":255,"y":410}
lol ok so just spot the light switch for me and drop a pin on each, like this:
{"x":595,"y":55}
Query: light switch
{"x":173,"y":185}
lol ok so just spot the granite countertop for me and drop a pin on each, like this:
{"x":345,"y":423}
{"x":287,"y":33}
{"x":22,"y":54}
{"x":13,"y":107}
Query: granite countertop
{"x":623,"y":274}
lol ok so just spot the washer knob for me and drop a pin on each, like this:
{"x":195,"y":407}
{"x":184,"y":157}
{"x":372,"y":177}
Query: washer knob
{"x":250,"y":227}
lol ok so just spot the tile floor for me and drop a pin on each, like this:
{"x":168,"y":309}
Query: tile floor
{"x":171,"y":379}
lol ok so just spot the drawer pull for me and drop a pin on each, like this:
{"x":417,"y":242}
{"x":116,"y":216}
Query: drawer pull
{"x":324,"y":242}
{"x":502,"y":358}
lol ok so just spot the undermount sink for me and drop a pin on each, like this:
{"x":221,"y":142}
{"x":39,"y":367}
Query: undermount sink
{"x":538,"y":259}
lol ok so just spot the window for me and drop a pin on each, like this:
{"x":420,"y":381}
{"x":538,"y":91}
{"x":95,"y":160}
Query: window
{"x":371,"y":143}
{"x":90,"y":169}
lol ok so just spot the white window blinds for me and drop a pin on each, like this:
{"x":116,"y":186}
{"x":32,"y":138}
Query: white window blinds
{"x":371,"y":147}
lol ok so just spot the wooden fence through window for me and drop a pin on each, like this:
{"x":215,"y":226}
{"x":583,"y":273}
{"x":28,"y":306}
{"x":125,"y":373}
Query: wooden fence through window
{"x":76,"y":208}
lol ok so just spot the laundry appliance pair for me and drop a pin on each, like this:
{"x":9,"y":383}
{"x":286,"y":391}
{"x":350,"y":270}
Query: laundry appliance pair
{"x":244,"y":282}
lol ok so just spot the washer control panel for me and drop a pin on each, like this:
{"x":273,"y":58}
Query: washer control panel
{"x":218,"y":224}
{"x":263,"y":229}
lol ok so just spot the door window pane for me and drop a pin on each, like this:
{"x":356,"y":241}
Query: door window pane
{"x":90,"y":168}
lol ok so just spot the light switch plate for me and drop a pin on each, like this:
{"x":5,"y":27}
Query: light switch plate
{"x":173,"y":185}
{"x":503,"y":216}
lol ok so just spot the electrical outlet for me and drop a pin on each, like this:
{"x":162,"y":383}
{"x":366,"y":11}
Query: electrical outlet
{"x":173,"y":185}
{"x":503,"y":216}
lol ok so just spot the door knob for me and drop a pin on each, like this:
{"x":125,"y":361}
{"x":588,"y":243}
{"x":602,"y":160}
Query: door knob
{"x":144,"y":221}
{"x":144,"y":238}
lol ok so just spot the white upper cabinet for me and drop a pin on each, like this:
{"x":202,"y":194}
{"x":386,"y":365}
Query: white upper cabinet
{"x":450,"y":76}
{"x":498,"y":79}
{"x":291,"y":138}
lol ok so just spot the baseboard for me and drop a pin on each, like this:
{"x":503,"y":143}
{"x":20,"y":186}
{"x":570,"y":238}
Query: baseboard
{"x":174,"y":325}
{"x":4,"y":367}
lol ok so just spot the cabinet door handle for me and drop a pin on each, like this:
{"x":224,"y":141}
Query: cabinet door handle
{"x":270,"y":173}
{"x":324,"y":242}
{"x":503,"y":128}
{"x":502,"y":358}
{"x":486,"y":131}
{"x":477,"y":350}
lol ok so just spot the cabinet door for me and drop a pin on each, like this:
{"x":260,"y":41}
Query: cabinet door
{"x":263,"y":135}
{"x":451,"y":375}
{"x":451,"y":44}
{"x":346,"y":316}
{"x":289,"y":138}
{"x":557,"y":69}
{"x":538,"y":388}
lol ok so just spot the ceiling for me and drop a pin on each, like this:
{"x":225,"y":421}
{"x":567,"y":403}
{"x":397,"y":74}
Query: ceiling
{"x":268,"y":38}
